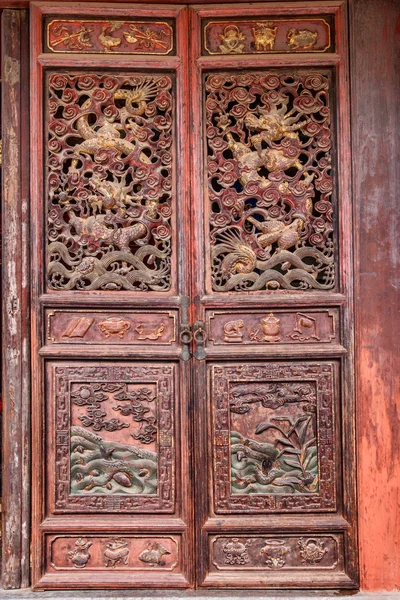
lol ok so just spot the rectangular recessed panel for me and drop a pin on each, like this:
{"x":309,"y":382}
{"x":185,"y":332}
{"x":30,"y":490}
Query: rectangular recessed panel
{"x":274,"y":446}
{"x":113,"y":437}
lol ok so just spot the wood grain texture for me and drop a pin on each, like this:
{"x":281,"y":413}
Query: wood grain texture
{"x":16,"y":372}
{"x":375,"y":28}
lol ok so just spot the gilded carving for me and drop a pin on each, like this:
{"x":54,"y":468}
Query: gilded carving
{"x":80,"y":555}
{"x":312,"y":550}
{"x":301,"y":39}
{"x":116,"y":552}
{"x":114,"y":326}
{"x":231,"y":40}
{"x":115,"y":37}
{"x":267,"y":420}
{"x":256,"y":36}
{"x":235,"y":551}
{"x":275,"y":553}
{"x":109,"y":182}
{"x":264,"y":36}
{"x":270,"y":181}
{"x":153,"y":554}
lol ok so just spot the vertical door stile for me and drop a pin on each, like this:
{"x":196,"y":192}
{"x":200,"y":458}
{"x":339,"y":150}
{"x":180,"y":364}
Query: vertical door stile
{"x":275,"y":424}
{"x":111,"y":481}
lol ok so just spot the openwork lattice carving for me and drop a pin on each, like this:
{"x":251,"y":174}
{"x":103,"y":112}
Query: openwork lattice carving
{"x":270,"y":184}
{"x":109,"y":182}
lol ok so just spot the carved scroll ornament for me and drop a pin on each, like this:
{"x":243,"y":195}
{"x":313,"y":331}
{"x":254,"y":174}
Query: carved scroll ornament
{"x":269,"y":181}
{"x":109,"y":182}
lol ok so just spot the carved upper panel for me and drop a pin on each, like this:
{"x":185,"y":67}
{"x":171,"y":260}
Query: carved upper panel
{"x":109,"y":182}
{"x":269,"y":181}
{"x":267,"y":35}
{"x":114,"y":37}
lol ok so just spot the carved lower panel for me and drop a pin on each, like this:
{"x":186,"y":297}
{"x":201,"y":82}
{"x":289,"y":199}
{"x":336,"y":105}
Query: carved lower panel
{"x":269,"y":180}
{"x":113,"y":552}
{"x":276,"y":553}
{"x":267,"y":36}
{"x":111,"y":327}
{"x":273,"y":327}
{"x":109,"y":181}
{"x":90,"y":36}
{"x":113,"y":438}
{"x":274,"y":437}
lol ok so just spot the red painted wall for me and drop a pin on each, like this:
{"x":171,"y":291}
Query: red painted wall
{"x":375,"y":66}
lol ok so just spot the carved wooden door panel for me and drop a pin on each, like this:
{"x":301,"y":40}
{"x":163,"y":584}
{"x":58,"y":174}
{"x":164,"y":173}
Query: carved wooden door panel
{"x":273,"y":290}
{"x":111,"y":481}
{"x":192,"y":407}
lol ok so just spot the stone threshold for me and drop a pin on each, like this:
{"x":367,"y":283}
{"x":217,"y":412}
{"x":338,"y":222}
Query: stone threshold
{"x":190,"y":595}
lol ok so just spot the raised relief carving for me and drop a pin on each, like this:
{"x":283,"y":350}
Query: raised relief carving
{"x":114,"y":326}
{"x":116,"y":552}
{"x":283,"y":327}
{"x":109,"y":471}
{"x":148,"y":333}
{"x":231,"y":40}
{"x":153,"y":555}
{"x":270,"y":181}
{"x":267,"y":419}
{"x":117,"y":37}
{"x":236,"y":551}
{"x":110,"y":182}
{"x":80,"y":555}
{"x":78,"y":327}
{"x":233,"y":331}
{"x":305,"y":328}
{"x":270,"y":329}
{"x":70,"y":38}
{"x":312,"y":550}
{"x":275,"y":553}
{"x":301,"y":39}
{"x":274,"y":35}
{"x":264,"y":36}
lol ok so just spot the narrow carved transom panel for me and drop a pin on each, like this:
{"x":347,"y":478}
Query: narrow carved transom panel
{"x":269,"y":181}
{"x":114,"y":438}
{"x":273,"y":437}
{"x":109,"y":182}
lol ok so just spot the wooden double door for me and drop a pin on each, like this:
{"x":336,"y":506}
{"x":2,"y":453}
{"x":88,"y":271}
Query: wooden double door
{"x":192,"y":405}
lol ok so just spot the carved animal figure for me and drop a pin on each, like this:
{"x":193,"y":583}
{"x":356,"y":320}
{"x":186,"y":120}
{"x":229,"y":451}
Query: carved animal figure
{"x":264,"y":36}
{"x":154,"y":553}
{"x":109,"y":41}
{"x":116,"y":552}
{"x":284,"y":235}
{"x":233,"y":331}
{"x":274,"y":124}
{"x":301,"y":38}
{"x":241,"y":257}
{"x":95,"y":227}
{"x":109,"y":195}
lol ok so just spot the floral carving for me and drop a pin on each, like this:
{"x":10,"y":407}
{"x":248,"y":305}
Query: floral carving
{"x":109,"y":182}
{"x":269,"y":181}
{"x":80,"y":555}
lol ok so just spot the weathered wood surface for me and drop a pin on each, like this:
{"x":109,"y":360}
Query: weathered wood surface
{"x":375,"y":79}
{"x":16,"y":464}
